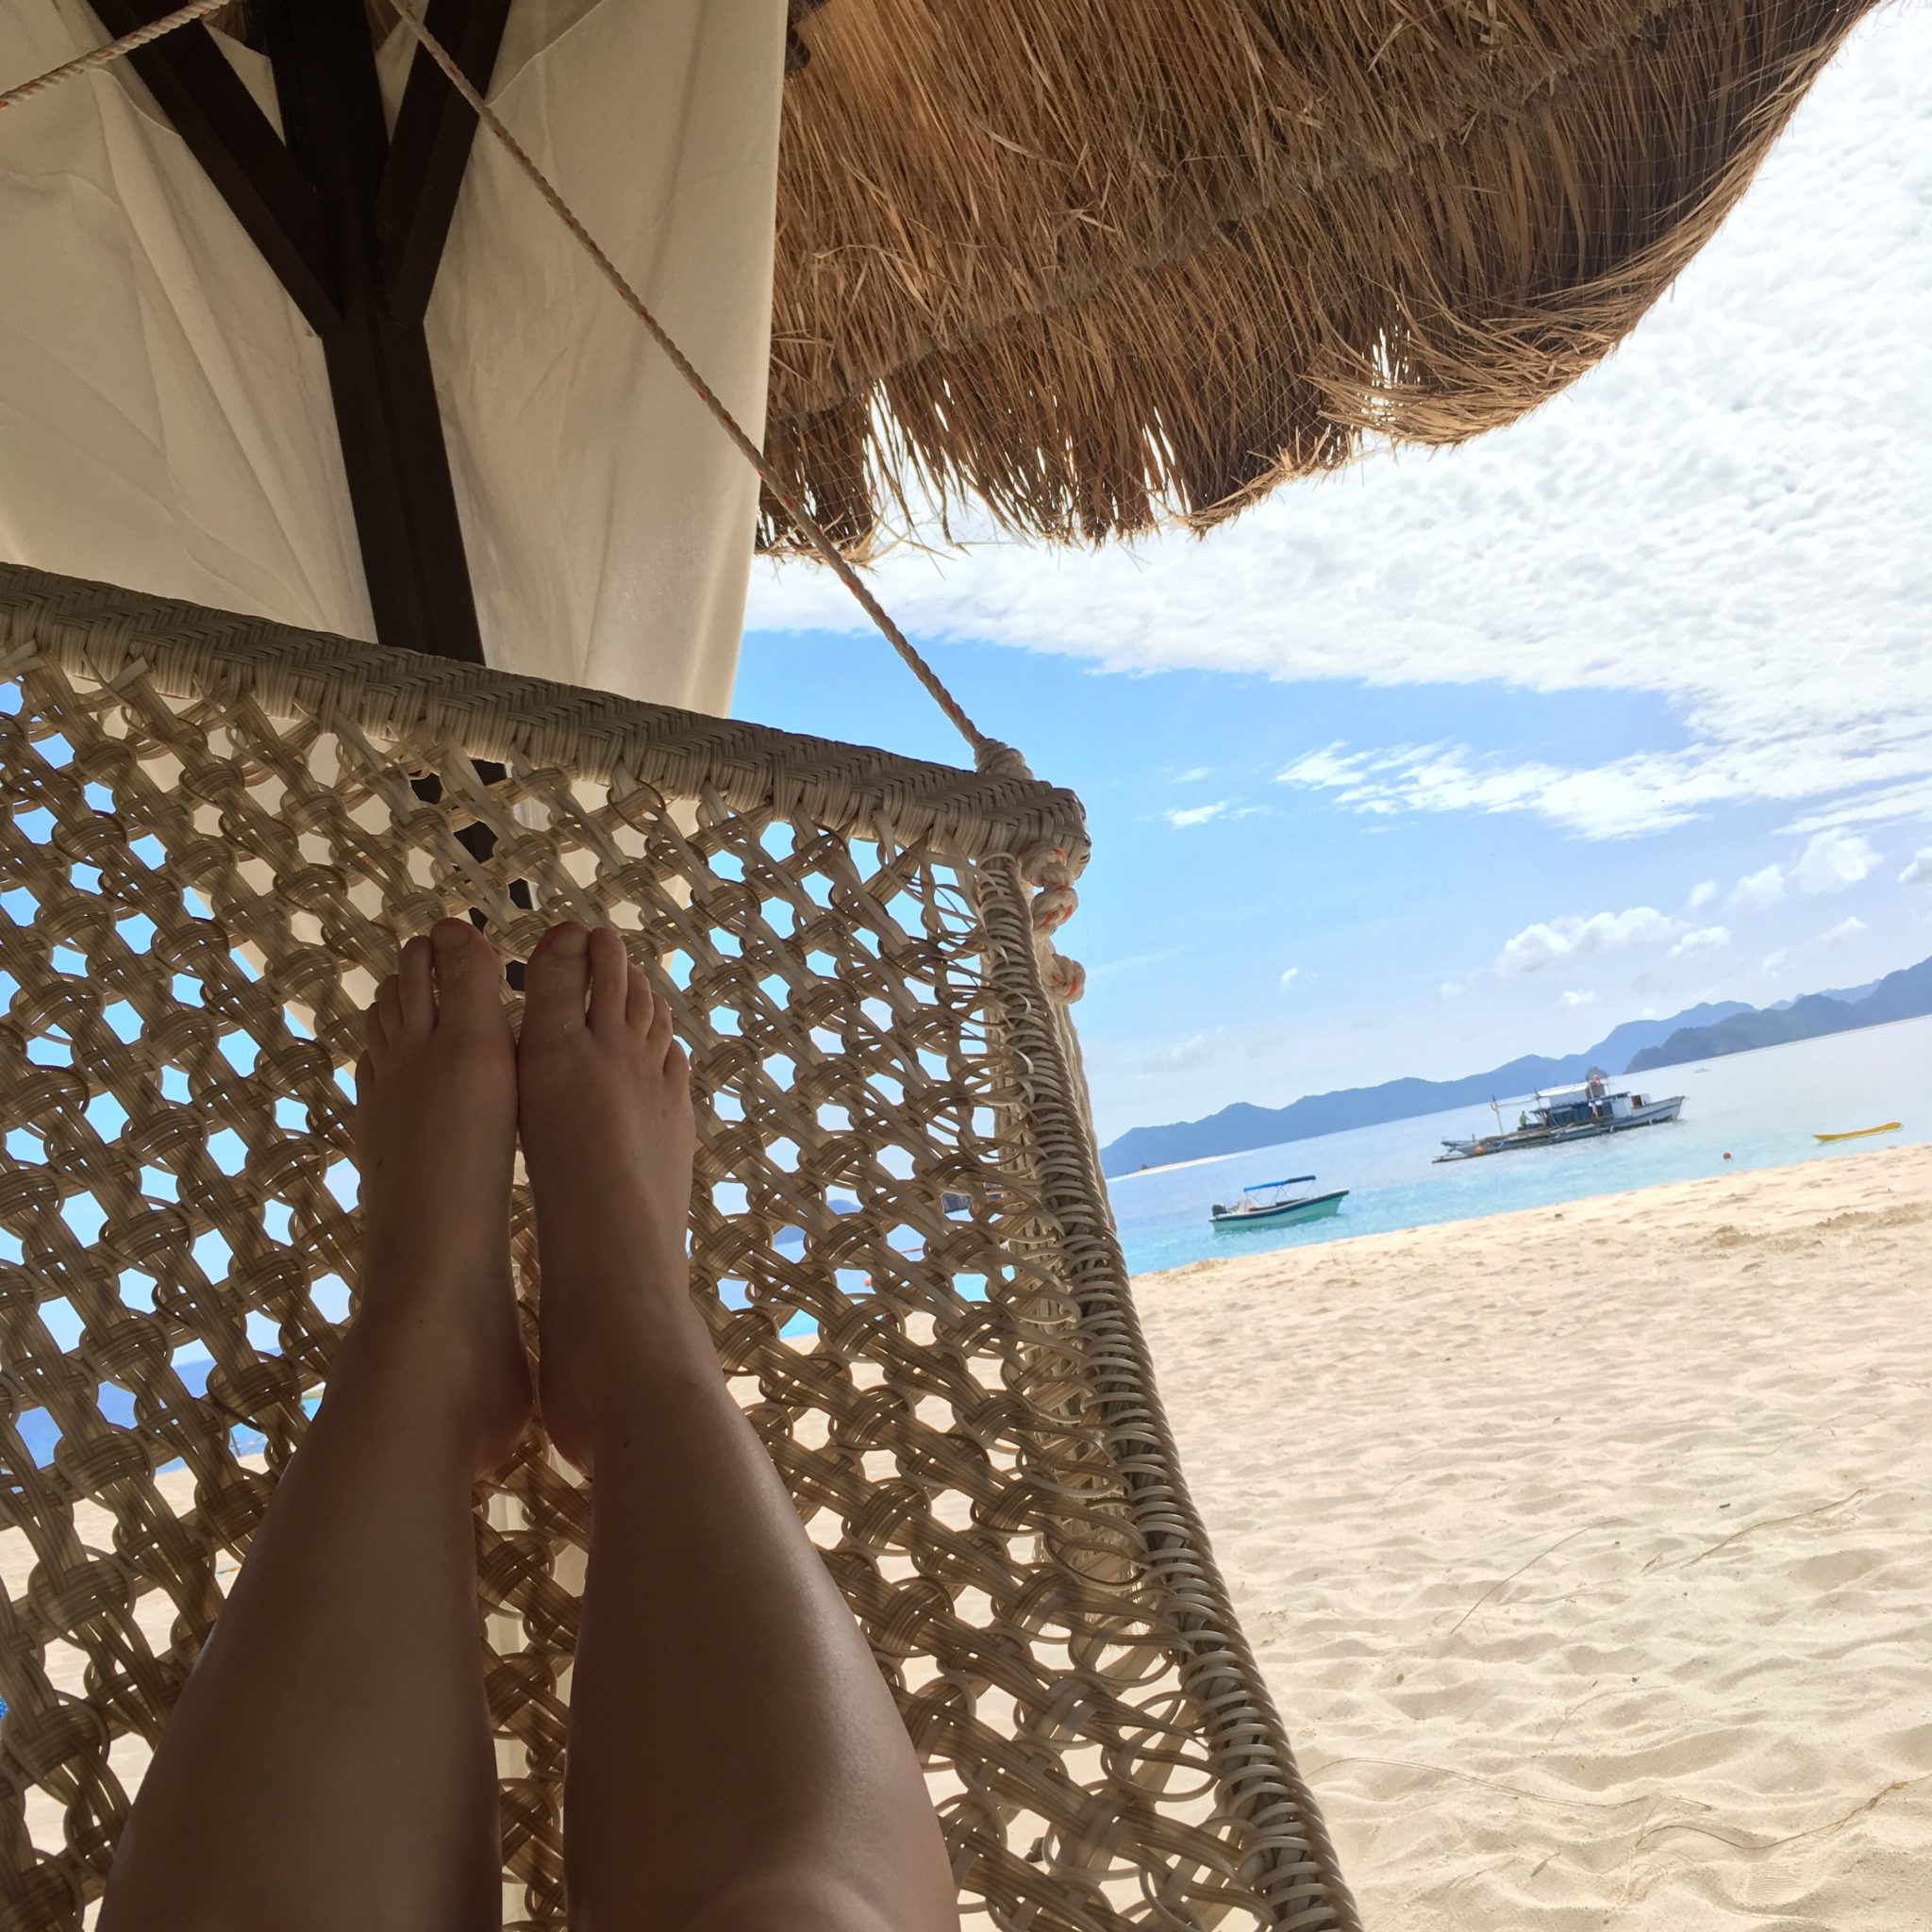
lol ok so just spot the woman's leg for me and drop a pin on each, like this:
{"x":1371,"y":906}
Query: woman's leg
{"x":735,"y":1762}
{"x":329,"y":1763}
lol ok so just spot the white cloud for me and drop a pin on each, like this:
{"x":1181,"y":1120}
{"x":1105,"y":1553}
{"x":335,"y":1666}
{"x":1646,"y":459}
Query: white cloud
{"x":1774,"y":963}
{"x":1579,"y":999}
{"x":1646,"y":792}
{"x":1718,"y":517}
{"x":1289,"y":978}
{"x":1759,"y":889}
{"x":1194,"y":775}
{"x":1196,"y":814}
{"x":1706,"y":939}
{"x":1701,"y":894}
{"x":1919,"y":873}
{"x":1190,"y":1052}
{"x":1833,"y":860}
{"x":1913,"y":800}
{"x":1539,"y":945}
{"x":1846,"y":929}
{"x":1451,"y":988}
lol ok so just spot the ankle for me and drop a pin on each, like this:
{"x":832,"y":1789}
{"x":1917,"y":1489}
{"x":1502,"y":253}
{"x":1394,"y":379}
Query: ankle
{"x":609,"y":1287}
{"x":415,"y":1342}
{"x":625,"y":1357}
{"x":447,"y":1382}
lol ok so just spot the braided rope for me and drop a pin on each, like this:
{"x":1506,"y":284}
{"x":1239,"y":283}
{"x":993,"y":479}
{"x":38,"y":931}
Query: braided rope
{"x":1298,"y":1874}
{"x":114,"y":50}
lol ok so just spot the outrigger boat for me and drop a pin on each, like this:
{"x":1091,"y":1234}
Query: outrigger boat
{"x":1569,"y":1113}
{"x":1256,"y":1208}
{"x":1859,"y":1133}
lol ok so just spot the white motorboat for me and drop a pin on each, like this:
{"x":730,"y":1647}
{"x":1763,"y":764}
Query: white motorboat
{"x":1269,"y":1204}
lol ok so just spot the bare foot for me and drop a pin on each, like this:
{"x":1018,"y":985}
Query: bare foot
{"x":435,"y":1139}
{"x":603,"y":1102}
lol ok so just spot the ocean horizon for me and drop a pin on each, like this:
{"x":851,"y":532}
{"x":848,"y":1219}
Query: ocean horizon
{"x":1742,"y":1111}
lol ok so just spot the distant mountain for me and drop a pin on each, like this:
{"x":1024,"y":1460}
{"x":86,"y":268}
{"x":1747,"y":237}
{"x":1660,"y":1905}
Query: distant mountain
{"x":1903,"y":995}
{"x":1242,"y":1125}
{"x":1847,"y":993}
{"x":1699,"y":1033}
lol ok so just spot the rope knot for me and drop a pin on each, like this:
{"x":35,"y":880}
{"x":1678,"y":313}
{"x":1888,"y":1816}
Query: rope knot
{"x":992,"y":759}
{"x":1044,"y":864}
{"x":1049,"y":869}
{"x":1064,"y":979}
{"x":1053,"y":907}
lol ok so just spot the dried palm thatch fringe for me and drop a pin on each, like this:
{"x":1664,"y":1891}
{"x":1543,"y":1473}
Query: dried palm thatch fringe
{"x":1097,"y":262}
{"x":211,"y":845}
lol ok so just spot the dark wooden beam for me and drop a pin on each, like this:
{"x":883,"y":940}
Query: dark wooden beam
{"x":235,"y":142}
{"x":378,"y":363}
{"x":429,"y":150}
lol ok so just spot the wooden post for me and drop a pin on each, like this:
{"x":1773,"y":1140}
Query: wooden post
{"x":378,"y":366}
{"x":354,"y":228}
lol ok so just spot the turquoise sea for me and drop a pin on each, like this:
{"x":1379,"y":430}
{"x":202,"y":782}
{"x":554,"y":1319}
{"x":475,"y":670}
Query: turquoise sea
{"x":1762,"y":1108}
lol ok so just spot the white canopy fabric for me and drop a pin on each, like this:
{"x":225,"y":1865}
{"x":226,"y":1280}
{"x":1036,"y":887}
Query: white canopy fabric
{"x":165,"y":421}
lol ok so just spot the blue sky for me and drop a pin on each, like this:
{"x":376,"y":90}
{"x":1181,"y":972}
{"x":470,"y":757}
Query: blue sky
{"x":1626,"y":707}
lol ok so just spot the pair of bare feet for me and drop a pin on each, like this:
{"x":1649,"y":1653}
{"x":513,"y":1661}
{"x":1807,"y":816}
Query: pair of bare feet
{"x":598,"y":1092}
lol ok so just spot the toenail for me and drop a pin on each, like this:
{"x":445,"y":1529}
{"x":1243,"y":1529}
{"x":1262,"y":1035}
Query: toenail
{"x":448,"y":934}
{"x":570,"y":936}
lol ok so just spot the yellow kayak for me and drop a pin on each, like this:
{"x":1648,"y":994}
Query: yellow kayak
{"x":1859,"y":1133}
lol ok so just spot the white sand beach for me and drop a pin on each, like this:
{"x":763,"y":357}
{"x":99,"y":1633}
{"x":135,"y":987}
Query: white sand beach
{"x":1587,"y":1550}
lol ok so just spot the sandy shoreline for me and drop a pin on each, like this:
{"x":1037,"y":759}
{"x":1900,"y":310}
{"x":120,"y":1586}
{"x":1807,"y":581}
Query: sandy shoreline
{"x":1587,"y":1549}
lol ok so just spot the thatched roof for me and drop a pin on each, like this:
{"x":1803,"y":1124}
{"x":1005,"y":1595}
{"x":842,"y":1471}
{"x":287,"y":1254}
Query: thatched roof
{"x":1097,"y":262}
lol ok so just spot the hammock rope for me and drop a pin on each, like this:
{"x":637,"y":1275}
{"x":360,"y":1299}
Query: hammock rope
{"x":1048,"y":869}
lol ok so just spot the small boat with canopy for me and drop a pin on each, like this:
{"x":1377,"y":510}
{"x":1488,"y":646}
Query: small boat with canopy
{"x":1269,"y":1204}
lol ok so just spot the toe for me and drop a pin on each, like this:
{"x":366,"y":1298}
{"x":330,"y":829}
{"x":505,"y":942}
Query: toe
{"x":661,"y":1042}
{"x":365,"y":1113}
{"x":469,"y":985}
{"x":389,"y":1009}
{"x":641,"y":1004}
{"x":414,"y":987}
{"x":375,"y":1039}
{"x":609,"y":980}
{"x":557,"y":981}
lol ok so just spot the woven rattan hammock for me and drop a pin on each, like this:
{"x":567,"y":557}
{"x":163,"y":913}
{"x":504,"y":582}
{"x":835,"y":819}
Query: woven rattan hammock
{"x":217,"y":831}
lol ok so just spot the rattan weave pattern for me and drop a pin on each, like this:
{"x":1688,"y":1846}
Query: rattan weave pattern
{"x":210,"y":848}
